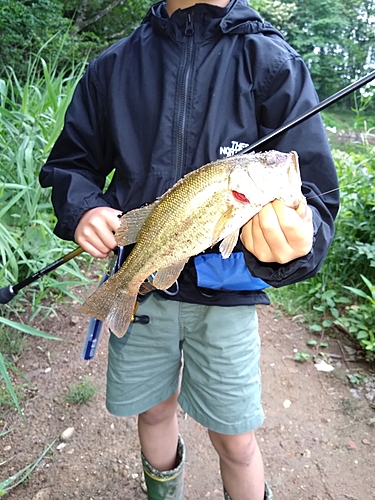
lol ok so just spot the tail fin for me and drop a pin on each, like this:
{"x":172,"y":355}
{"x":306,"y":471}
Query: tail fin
{"x":115,"y":306}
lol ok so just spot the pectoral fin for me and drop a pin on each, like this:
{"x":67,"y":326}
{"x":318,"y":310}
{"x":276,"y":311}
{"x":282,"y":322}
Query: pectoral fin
{"x":221,"y":224}
{"x":131,"y":222}
{"x":167,"y":276}
{"x":227,"y":245}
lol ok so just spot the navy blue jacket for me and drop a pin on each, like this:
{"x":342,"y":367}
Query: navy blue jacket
{"x":178,"y":93}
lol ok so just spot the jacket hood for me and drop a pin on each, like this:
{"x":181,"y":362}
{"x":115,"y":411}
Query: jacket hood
{"x":236,"y":18}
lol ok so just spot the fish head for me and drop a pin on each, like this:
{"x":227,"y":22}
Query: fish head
{"x":258,"y":179}
{"x":291,"y":193}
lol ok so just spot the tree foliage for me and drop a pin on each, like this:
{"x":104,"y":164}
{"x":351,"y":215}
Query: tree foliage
{"x":25,"y":27}
{"x":278,"y":13}
{"x":62,"y":30}
{"x":109,"y":20}
{"x":335,"y":37}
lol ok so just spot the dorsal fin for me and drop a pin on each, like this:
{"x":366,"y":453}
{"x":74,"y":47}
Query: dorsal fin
{"x":131,"y":222}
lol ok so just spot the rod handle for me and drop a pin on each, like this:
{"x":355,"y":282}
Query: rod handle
{"x":6,"y":294}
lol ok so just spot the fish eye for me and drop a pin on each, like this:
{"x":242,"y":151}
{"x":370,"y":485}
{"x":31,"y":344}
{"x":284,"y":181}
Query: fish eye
{"x":280,"y":157}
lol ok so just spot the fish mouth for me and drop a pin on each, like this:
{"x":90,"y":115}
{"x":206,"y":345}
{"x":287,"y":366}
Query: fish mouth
{"x":240,"y":197}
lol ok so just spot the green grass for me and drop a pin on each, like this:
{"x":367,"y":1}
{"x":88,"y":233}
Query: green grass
{"x":341,"y":119}
{"x":327,"y":300}
{"x":350,"y":119}
{"x":12,"y":342}
{"x":31,"y":118}
{"x":81,"y":393}
{"x":24,"y":474}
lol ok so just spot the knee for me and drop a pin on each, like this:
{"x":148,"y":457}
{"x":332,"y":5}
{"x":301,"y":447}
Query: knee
{"x":162,"y":412}
{"x":239,"y":448}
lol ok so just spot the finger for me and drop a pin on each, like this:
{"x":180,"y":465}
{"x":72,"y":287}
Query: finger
{"x":88,"y":239}
{"x":296,"y":226}
{"x":278,"y":233}
{"x":105,"y":238}
{"x":95,"y":231}
{"x":254,"y":234}
{"x":259,"y":245}
{"x":268,"y":228}
{"x":112,"y":219}
{"x":92,"y":250}
{"x":246,"y":236}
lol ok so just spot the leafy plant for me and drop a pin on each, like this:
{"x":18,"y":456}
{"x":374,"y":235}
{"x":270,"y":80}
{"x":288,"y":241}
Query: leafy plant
{"x":302,"y":356}
{"x":312,"y":342}
{"x":81,"y":393}
{"x":362,"y":100}
{"x":12,"y":342}
{"x":356,"y":378}
{"x":360,"y":318}
{"x":66,"y":30}
{"x":326,"y":300}
{"x":31,"y":117}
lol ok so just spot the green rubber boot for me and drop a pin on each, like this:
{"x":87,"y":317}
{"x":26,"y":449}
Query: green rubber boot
{"x":267,"y":493}
{"x":167,"y":485}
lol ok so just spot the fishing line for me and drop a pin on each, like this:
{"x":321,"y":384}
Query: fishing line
{"x":327,"y":192}
{"x":7,"y":293}
{"x":352,"y":184}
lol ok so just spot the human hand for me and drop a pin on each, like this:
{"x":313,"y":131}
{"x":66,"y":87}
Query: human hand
{"x":95,"y":231}
{"x":279,"y":233}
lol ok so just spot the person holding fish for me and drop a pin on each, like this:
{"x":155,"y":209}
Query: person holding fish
{"x":167,"y":109}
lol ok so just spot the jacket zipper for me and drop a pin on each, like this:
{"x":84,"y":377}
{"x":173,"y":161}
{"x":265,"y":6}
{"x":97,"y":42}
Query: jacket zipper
{"x":189,"y":31}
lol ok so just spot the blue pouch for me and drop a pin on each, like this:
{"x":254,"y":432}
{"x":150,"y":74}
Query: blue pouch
{"x":217,"y":273}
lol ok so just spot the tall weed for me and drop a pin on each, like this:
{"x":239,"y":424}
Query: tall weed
{"x":359,"y":320}
{"x":325,"y":300}
{"x":31,"y":117}
{"x":352,"y":250}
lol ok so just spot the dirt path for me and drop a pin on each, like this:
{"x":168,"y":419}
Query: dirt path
{"x":318,"y":441}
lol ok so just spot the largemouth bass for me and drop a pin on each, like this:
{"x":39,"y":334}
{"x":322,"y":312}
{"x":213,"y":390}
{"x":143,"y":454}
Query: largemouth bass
{"x":208,"y":205}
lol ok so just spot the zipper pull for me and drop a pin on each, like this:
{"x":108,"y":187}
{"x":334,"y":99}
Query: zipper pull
{"x":189,"y":29}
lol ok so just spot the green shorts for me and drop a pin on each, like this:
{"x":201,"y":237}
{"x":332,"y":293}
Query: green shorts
{"x":220,"y":384}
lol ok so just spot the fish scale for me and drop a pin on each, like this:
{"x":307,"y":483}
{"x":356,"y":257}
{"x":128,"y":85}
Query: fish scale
{"x":209,"y":204}
{"x":201,"y":213}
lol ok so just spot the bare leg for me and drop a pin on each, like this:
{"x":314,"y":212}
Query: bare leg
{"x":241,"y":465}
{"x":158,"y":434}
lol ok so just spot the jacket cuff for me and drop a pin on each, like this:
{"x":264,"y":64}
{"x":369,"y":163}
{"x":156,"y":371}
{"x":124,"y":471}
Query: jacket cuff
{"x":278,"y":275}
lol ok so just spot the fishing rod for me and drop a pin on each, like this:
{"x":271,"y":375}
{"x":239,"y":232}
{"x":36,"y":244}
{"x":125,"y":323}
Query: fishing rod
{"x":313,"y":111}
{"x":7,"y":293}
{"x":95,"y":325}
